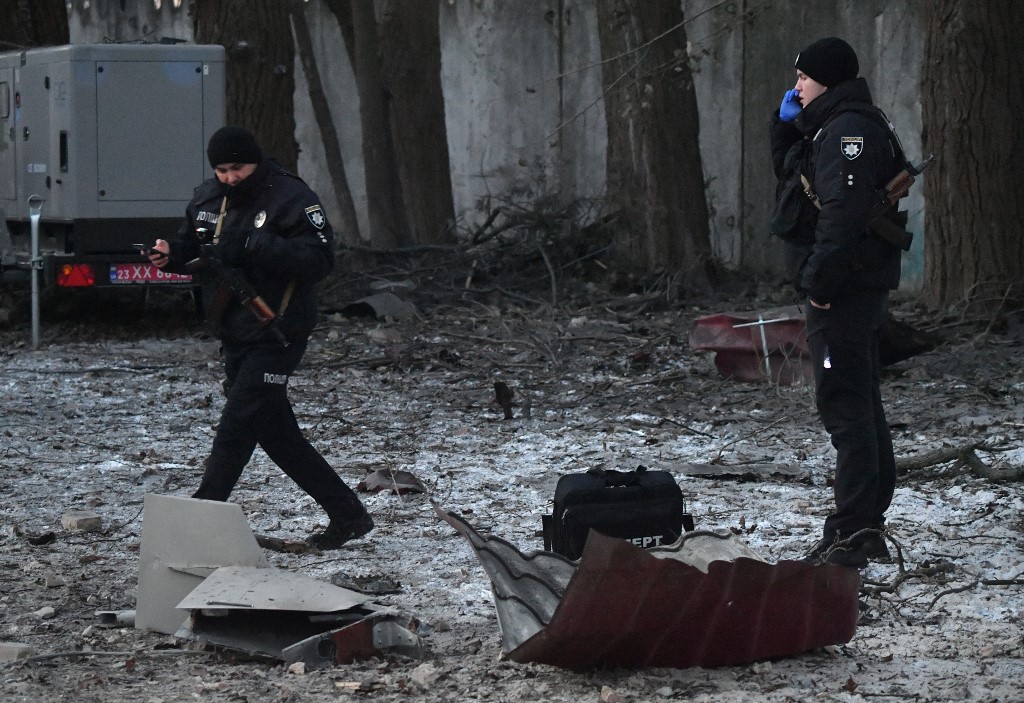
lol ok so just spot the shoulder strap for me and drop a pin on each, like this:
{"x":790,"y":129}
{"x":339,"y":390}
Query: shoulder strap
{"x":893,"y":137}
{"x":810,"y":191}
{"x":287,"y":297}
{"x":220,"y":219}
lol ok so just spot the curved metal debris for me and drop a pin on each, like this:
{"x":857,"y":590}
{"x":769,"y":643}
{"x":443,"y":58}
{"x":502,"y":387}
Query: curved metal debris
{"x":677,"y":606}
{"x":755,"y":346}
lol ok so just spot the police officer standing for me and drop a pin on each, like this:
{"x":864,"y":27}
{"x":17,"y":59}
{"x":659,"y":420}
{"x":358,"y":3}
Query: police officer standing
{"x":257,"y":220}
{"x":828,"y":131}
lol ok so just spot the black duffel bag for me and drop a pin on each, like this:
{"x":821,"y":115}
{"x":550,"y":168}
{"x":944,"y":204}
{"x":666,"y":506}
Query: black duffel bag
{"x":645,"y":507}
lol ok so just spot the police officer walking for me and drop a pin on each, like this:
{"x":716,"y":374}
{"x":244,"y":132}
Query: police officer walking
{"x":258,"y":220}
{"x":828,"y":131}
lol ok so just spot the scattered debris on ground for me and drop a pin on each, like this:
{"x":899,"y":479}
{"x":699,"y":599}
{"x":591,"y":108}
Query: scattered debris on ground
{"x":110,"y":409}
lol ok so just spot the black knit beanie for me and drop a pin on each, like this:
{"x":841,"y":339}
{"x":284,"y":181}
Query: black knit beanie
{"x":829,"y":61}
{"x":233,"y":145}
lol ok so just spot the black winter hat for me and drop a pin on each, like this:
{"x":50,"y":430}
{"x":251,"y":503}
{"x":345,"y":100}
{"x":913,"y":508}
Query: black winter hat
{"x":233,"y":145}
{"x":829,"y":61}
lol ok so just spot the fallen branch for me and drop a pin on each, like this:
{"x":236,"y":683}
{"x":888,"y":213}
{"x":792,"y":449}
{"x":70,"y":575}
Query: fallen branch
{"x":721,"y":450}
{"x":623,"y":301}
{"x":942,"y":567}
{"x":973,"y":585}
{"x":907,"y":464}
{"x":965,"y":455}
{"x":667,"y":420}
{"x":551,"y":274}
{"x":368,"y":361}
{"x":994,"y":317}
{"x":982,"y":470}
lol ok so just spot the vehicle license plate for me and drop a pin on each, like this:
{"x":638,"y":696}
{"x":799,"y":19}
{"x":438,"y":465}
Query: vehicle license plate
{"x":144,"y":273}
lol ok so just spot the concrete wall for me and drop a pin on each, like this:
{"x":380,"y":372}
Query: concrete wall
{"x":141,"y":20}
{"x":510,"y":138}
{"x":523,"y":98}
{"x":339,"y":83}
{"x":522,"y":95}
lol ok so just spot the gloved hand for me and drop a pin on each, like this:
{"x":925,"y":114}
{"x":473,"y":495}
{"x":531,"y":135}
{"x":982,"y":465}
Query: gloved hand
{"x":230,"y":251}
{"x":790,"y":106}
{"x":257,"y":242}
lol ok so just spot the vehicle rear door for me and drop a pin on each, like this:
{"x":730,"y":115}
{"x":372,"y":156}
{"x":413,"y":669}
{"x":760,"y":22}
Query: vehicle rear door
{"x":8,"y":170}
{"x":32,"y":133}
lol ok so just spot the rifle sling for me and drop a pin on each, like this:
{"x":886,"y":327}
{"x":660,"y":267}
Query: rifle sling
{"x":287,"y":297}
{"x":220,"y":219}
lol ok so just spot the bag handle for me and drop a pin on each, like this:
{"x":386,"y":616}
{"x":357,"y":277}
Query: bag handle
{"x":619,"y":479}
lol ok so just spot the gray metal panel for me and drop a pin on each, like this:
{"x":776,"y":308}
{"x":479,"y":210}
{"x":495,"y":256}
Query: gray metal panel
{"x":164,"y":160}
{"x":77,"y":188}
{"x":59,"y":184}
{"x":31,"y":131}
{"x":527,"y":588}
{"x":7,"y":171}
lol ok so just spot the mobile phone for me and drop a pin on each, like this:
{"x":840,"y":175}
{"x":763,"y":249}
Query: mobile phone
{"x":148,"y":250}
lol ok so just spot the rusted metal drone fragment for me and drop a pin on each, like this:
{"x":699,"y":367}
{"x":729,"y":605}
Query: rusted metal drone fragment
{"x":700,"y":602}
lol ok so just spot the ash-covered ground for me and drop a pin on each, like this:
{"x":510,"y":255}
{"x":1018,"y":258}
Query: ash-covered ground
{"x":106,"y":411}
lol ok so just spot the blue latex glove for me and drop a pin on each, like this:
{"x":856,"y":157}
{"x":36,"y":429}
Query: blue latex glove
{"x":790,"y":107}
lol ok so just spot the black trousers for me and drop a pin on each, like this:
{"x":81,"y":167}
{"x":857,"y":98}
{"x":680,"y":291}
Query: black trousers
{"x":843,"y":342}
{"x":257,"y":412}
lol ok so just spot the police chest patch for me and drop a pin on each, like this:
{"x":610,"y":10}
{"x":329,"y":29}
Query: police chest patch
{"x":260,"y":218}
{"x":852,"y":147}
{"x":316,"y":216}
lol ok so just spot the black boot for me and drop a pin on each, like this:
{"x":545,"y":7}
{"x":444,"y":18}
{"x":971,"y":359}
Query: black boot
{"x":854,"y":551}
{"x":339,"y":532}
{"x":873,"y":544}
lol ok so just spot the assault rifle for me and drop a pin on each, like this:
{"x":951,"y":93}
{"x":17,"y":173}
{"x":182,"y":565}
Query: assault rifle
{"x":900,"y":184}
{"x":231,"y":282}
{"x":894,"y":191}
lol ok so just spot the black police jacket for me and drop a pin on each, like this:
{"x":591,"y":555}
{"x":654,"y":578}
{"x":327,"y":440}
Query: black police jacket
{"x":848,"y":157}
{"x":794,"y":216}
{"x":276,"y":233}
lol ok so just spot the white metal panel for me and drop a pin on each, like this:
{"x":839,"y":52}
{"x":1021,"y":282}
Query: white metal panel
{"x":183,"y":539}
{"x":250,"y":588}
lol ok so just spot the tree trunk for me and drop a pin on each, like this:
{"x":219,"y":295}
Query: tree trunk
{"x":654,"y":175}
{"x":972,"y":92}
{"x":411,"y":55}
{"x":25,"y":24}
{"x":260,"y":68}
{"x":342,"y":11}
{"x":348,"y":224}
{"x":385,"y":208}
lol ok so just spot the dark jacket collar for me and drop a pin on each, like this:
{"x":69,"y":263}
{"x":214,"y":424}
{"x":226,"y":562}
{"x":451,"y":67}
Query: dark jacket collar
{"x":250,"y":188}
{"x":832,"y":101}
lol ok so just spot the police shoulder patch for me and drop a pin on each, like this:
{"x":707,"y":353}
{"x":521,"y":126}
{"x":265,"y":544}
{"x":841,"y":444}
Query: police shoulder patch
{"x":852,"y":147}
{"x":316,"y":216}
